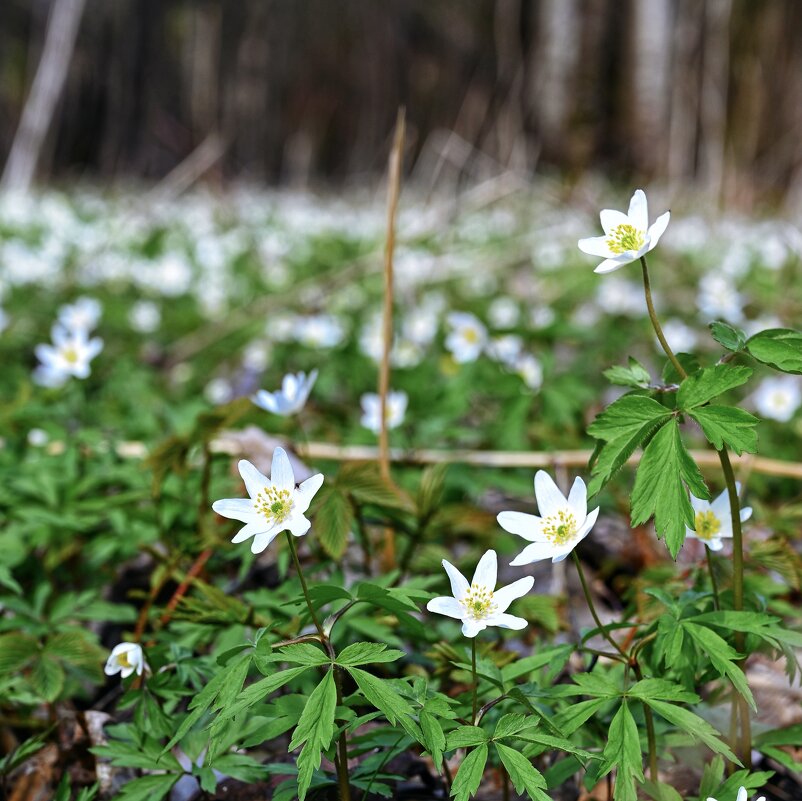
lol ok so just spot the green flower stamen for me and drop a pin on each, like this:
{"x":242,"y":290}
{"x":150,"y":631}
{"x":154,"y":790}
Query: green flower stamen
{"x":707,"y":525}
{"x":560,"y":528}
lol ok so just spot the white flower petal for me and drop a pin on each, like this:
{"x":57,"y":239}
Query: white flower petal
{"x":578,"y":498}
{"x":610,"y":265}
{"x":530,"y":527}
{"x":266,"y":400}
{"x":254,"y":527}
{"x":486,"y":570}
{"x":505,"y":621}
{"x":307,"y":490}
{"x":470,"y":628}
{"x":639,"y":210}
{"x":459,"y":584}
{"x":550,"y":500}
{"x":658,"y":229}
{"x":746,"y":513}
{"x":611,"y":219}
{"x":595,"y":246}
{"x":281,"y":471}
{"x":506,"y":595}
{"x":261,"y":541}
{"x":450,"y":607}
{"x":535,"y":552}
{"x":255,"y":482}
{"x":235,"y":508}
{"x":586,"y":526}
{"x":298,"y":525}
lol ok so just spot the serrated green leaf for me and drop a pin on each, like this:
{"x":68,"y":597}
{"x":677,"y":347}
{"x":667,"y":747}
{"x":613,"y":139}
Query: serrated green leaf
{"x":698,"y":728}
{"x":364,"y":653}
{"x":314,"y":731}
{"x":389,"y":702}
{"x":512,"y":723}
{"x":465,"y":737}
{"x":727,"y":425}
{"x":434,"y":740}
{"x":780,"y":348}
{"x":623,"y":751}
{"x":624,"y":425}
{"x":47,"y":678}
{"x":702,"y":387}
{"x":304,"y":654}
{"x":16,"y":651}
{"x":574,"y":716}
{"x":662,"y":690}
{"x":664,"y":476}
{"x":727,"y":335}
{"x":633,"y":375}
{"x":334,"y":519}
{"x":148,"y":788}
{"x":470,"y":773}
{"x":523,"y":775}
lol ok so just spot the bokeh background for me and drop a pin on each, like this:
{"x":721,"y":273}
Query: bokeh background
{"x":702,"y":95}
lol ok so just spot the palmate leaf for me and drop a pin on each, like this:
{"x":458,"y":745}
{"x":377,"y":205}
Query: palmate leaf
{"x":524,"y":776}
{"x":665,"y":475}
{"x":704,"y":385}
{"x":469,"y":775}
{"x":364,"y":653}
{"x":387,"y":700}
{"x":727,"y":426}
{"x":633,"y":375}
{"x":780,"y":348}
{"x":623,"y":426}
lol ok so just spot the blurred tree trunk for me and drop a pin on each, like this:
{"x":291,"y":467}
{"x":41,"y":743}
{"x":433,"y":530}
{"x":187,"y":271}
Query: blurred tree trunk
{"x":40,"y":107}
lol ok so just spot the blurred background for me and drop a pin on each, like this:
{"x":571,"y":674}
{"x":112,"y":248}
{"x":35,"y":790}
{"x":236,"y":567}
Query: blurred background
{"x":699,"y":95}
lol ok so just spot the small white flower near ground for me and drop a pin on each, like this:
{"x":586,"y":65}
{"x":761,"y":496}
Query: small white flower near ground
{"x":218,"y":391}
{"x":713,"y":520}
{"x":778,"y":398}
{"x":742,"y":796}
{"x":562,"y":525}
{"x":125,"y":659}
{"x":627,"y":237}
{"x":69,"y":355}
{"x":530,"y":369}
{"x":291,"y":398}
{"x":371,"y":410}
{"x":478,"y":604}
{"x":275,"y":503}
{"x":144,"y":317}
{"x":83,"y":314}
{"x":467,"y":337}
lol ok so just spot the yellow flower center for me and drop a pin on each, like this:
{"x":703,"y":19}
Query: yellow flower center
{"x":123,"y":660}
{"x":70,"y":354}
{"x":707,"y":525}
{"x":470,"y":335}
{"x":274,"y":504}
{"x":478,"y":602}
{"x":625,"y":237}
{"x":560,"y":528}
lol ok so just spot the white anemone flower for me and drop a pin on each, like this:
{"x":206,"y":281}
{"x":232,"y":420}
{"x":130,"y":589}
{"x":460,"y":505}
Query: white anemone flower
{"x":372,"y":410}
{"x":713,"y":520}
{"x":742,"y":796}
{"x":83,"y":314}
{"x":467,"y":337}
{"x":627,"y":237}
{"x":778,"y":398}
{"x":291,"y":398}
{"x":125,"y":659}
{"x":275,"y":505}
{"x":562,"y":525}
{"x":70,"y":353}
{"x":478,"y":604}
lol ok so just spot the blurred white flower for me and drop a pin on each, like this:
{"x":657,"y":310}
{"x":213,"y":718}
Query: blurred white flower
{"x":83,"y":314}
{"x":778,"y":398}
{"x":320,"y":331}
{"x":719,"y":300}
{"x":291,"y":398}
{"x":627,"y":237}
{"x":713,"y":520}
{"x":256,"y":355}
{"x":406,"y":354}
{"x":275,"y":503}
{"x":371,"y":410}
{"x":144,"y":316}
{"x":3,"y":320}
{"x":619,"y":296}
{"x":562,"y":525}
{"x":504,"y":313}
{"x":478,"y":604}
{"x":218,"y":390}
{"x":541,"y":316}
{"x":467,"y":337}
{"x":681,"y":337}
{"x":171,"y":275}
{"x":69,"y":355}
{"x":38,"y":438}
{"x":125,"y":659}
{"x":530,"y":369}
{"x":505,"y":349}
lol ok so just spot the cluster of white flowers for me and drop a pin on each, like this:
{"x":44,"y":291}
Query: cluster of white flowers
{"x":71,"y":350}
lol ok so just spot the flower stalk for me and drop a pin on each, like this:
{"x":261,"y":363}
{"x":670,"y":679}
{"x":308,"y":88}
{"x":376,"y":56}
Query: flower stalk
{"x":475,"y":705}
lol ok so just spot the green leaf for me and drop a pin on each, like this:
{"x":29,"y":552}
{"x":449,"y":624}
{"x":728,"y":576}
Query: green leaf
{"x":470,"y":773}
{"x":623,"y":751}
{"x":433,"y":738}
{"x":726,"y":425}
{"x":148,"y":788}
{"x":689,"y":363}
{"x":698,"y":728}
{"x":315,"y":730}
{"x":465,"y":737}
{"x":512,"y":723}
{"x":524,"y":776}
{"x":730,"y":337}
{"x":334,"y":520}
{"x":623,"y":425}
{"x":662,"y":690}
{"x":780,"y":348}
{"x":16,"y":650}
{"x":633,"y":375}
{"x":304,"y":654}
{"x":576,"y":715}
{"x":363,"y":653}
{"x":722,"y":656}
{"x":709,"y":383}
{"x":665,"y":475}
{"x":47,"y":678}
{"x":386,"y":699}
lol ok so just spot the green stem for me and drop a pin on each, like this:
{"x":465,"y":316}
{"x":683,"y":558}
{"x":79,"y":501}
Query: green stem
{"x":737,"y":535}
{"x":592,"y":607}
{"x":341,"y":761}
{"x":475,"y":682}
{"x":712,"y":572}
{"x":647,"y":290}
